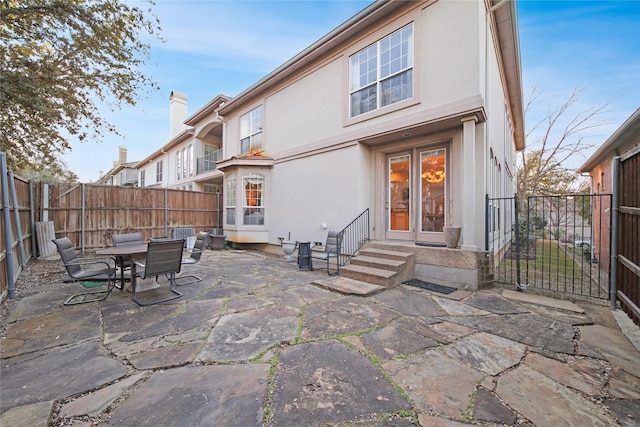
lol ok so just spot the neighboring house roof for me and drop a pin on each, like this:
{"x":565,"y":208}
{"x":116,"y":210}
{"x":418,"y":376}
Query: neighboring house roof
{"x":507,"y":28}
{"x":622,"y":140}
{"x":208,"y":109}
{"x":114,"y":171}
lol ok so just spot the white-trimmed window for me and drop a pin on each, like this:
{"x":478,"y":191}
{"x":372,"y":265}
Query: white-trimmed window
{"x":253,"y":199}
{"x":210,"y":188}
{"x":382,"y":73}
{"x":159,"y":171}
{"x":190,"y":160}
{"x":178,"y":165}
{"x":142,"y":178}
{"x":230,"y":199}
{"x":251,"y":130}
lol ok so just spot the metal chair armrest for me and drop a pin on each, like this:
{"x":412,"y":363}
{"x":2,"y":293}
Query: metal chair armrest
{"x":90,"y":261}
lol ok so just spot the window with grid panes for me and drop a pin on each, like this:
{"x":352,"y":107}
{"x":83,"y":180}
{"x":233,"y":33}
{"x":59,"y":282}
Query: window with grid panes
{"x":253,"y":199}
{"x":382,"y":74}
{"x":159,"y":171}
{"x":251,"y":130}
{"x":230,"y":199}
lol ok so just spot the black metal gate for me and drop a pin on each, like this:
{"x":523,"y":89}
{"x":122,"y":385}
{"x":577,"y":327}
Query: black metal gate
{"x":556,"y":245}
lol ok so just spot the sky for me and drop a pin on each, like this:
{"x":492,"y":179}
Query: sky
{"x":216,"y":47}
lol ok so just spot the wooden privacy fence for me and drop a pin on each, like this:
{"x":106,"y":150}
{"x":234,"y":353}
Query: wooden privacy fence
{"x":89,"y":215}
{"x":17,"y":245}
{"x":627,"y":275}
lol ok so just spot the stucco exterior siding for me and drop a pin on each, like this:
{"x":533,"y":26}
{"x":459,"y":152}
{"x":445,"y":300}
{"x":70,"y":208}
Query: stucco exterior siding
{"x":448,"y":50}
{"x":308,"y":110}
{"x":308,"y":192}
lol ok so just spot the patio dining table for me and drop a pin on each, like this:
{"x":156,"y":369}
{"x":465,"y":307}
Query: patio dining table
{"x":128,"y":251}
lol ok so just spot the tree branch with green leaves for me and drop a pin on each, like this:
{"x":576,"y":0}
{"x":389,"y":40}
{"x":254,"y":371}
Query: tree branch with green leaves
{"x":61,"y":61}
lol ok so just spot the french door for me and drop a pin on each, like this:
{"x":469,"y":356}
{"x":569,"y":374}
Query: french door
{"x":416,"y":199}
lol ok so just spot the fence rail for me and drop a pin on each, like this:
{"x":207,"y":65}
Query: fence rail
{"x":89,"y":214}
{"x":554,"y":244}
{"x":628,"y":229}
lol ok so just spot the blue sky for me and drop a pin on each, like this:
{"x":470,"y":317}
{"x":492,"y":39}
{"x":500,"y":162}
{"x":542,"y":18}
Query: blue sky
{"x":214,"y":47}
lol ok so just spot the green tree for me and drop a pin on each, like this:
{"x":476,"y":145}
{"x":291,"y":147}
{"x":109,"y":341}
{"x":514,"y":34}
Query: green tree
{"x":60,"y":60}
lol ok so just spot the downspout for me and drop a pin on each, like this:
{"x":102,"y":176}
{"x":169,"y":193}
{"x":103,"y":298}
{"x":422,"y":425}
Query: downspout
{"x":166,"y":210}
{"x":613,"y":238}
{"x":7,"y":225}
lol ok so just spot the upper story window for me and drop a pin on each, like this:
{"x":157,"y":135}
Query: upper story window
{"x":251,"y":130}
{"x":159,"y":171}
{"x":184,"y":162}
{"x":382,"y":73}
{"x":142,"y":178}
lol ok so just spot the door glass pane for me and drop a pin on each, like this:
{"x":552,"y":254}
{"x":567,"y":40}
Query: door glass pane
{"x":432,"y":184}
{"x":399,"y":193}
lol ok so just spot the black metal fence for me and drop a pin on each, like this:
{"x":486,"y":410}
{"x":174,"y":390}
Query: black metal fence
{"x":552,"y":244}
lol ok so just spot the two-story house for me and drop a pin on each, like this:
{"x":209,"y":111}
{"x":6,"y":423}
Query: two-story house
{"x":122,"y":173}
{"x":188,"y":160}
{"x":412,"y":110}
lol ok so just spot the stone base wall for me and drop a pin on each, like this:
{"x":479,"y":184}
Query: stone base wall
{"x":462,"y":269}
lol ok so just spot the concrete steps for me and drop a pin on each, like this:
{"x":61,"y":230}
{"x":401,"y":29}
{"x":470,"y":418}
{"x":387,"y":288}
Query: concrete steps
{"x":380,"y":267}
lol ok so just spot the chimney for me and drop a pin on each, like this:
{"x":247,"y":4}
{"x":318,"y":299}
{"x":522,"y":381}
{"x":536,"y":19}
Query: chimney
{"x":122,"y":155}
{"x":177,"y":113}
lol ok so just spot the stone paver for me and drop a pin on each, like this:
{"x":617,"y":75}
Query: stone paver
{"x":488,"y":353}
{"x":58,"y":374}
{"x":257,"y":343}
{"x":32,"y":415}
{"x":230,"y":395}
{"x":93,"y":404}
{"x":427,"y":379}
{"x":494,"y":303}
{"x":242,"y":336}
{"x":392,"y":341}
{"x":614,"y":345}
{"x":456,"y":308}
{"x":562,"y":373}
{"x":488,"y":408}
{"x":343,"y":316}
{"x":70,"y":325}
{"x":546,"y":402}
{"x":328,"y":381}
{"x":529,"y":329}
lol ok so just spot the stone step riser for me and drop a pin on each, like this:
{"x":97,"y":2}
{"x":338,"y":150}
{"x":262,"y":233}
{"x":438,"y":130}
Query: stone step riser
{"x":380,"y":263}
{"x":369,"y":275}
{"x":381,"y":253}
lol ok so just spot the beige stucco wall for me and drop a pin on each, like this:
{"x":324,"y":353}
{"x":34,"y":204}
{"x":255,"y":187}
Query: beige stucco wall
{"x":322,"y":174}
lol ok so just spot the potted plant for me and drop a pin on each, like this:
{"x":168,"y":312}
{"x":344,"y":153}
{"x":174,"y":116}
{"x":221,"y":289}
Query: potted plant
{"x":452,"y":236}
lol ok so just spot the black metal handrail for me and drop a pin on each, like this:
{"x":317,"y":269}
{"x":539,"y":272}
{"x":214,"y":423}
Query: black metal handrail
{"x":353,"y":237}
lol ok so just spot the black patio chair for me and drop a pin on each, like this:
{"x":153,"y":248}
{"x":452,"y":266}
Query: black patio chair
{"x":164,"y":257}
{"x":202,"y":241}
{"x":332,"y":249}
{"x":80,"y":269}
{"x":127,"y":239}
